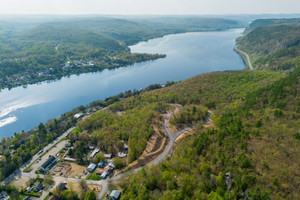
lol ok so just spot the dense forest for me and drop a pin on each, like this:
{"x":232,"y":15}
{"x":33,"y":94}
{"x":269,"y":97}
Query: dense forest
{"x":268,"y":49}
{"x":252,"y":152}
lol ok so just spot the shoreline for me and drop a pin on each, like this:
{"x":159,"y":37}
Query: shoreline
{"x":241,"y":53}
{"x":234,"y":30}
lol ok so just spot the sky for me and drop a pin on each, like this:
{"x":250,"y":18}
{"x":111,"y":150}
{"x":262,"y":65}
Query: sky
{"x":149,"y":7}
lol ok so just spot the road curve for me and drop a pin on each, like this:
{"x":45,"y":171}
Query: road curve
{"x":105,"y":183}
{"x":171,"y":141}
{"x":247,"y":56}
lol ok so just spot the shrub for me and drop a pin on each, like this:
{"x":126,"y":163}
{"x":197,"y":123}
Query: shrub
{"x":245,"y":163}
{"x":258,"y":123}
{"x":277,"y":113}
{"x":119,"y":163}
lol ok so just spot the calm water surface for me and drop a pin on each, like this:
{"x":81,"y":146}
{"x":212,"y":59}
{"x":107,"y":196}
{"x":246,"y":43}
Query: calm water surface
{"x":187,"y":55}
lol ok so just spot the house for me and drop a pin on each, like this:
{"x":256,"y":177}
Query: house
{"x":91,"y":167}
{"x":111,"y":165}
{"x":104,"y":175}
{"x":62,"y":186}
{"x":107,"y":169}
{"x":115,"y":195}
{"x":38,"y":187}
{"x":4,"y":195}
{"x":48,"y":164}
{"x":29,"y":189}
{"x":122,"y":155}
{"x":94,"y":153}
{"x":91,"y":147}
{"x":78,"y":115}
{"x":107,"y":156}
{"x":101,"y":164}
{"x":100,"y":171}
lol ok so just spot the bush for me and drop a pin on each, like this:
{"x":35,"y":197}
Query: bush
{"x":277,"y":113}
{"x":93,"y":177}
{"x":245,"y":163}
{"x":90,"y":195}
{"x":275,"y":181}
{"x":296,"y":136}
{"x":258,"y":123}
{"x":119,"y":163}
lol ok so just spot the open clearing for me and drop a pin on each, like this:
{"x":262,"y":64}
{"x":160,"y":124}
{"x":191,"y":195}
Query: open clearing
{"x":68,"y":169}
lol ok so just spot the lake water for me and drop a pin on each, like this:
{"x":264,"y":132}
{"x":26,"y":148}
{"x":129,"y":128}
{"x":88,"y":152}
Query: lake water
{"x":188,"y":54}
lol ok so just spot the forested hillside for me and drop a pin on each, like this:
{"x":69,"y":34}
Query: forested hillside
{"x":272,"y":47}
{"x":251,"y":153}
{"x":267,"y":22}
{"x":134,"y":30}
{"x":36,"y":50}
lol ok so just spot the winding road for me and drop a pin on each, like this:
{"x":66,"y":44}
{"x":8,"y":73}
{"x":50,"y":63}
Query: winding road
{"x":105,"y":183}
{"x":171,"y":141}
{"x":247,"y":56}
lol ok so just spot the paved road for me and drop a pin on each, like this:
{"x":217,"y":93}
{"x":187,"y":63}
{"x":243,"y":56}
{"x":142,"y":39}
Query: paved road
{"x":104,"y":183}
{"x":247,"y":56}
{"x":35,"y":157}
{"x":18,"y":172}
{"x":59,"y":179}
{"x":51,"y":152}
{"x":171,"y":141}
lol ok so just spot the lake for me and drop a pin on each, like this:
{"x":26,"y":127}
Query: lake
{"x":188,"y":54}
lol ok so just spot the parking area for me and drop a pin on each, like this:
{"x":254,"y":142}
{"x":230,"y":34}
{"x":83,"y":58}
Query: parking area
{"x":53,"y":152}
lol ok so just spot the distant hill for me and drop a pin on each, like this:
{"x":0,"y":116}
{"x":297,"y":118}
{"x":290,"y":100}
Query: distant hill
{"x":29,"y":48}
{"x":266,"y":22}
{"x":64,"y":33}
{"x":270,"y":47}
{"x":135,"y":30}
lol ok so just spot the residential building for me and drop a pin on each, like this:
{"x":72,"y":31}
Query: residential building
{"x":115,"y":195}
{"x":38,"y":187}
{"x":78,"y":115}
{"x":107,"y":156}
{"x":48,"y":164}
{"x":4,"y":195}
{"x":94,"y":153}
{"x":91,"y":167}
{"x":101,"y":164}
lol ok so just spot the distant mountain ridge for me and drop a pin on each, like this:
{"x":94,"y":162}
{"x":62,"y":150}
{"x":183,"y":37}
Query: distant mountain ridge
{"x":266,"y":22}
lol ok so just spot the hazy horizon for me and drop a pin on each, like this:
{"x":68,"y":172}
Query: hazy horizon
{"x":143,"y":7}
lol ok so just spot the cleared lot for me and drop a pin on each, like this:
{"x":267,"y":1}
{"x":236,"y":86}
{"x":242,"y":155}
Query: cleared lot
{"x":68,"y":169}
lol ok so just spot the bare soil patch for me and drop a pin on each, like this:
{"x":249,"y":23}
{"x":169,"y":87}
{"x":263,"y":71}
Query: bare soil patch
{"x":68,"y":169}
{"x":209,"y":124}
{"x":154,"y":148}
